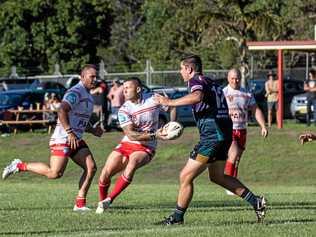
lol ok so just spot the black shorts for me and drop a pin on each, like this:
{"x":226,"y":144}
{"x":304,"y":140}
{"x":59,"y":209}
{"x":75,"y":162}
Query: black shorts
{"x":215,"y":141}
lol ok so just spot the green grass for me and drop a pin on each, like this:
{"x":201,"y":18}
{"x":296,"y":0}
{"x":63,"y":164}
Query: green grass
{"x":277,"y":167}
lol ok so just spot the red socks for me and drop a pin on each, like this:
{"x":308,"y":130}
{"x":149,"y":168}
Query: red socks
{"x":80,"y":202}
{"x":103,"y":190}
{"x":229,"y":168}
{"x":121,"y":183}
{"x":22,"y":166}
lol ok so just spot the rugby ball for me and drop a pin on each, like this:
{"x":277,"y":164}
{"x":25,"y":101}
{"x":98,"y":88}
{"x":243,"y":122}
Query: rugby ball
{"x":173,"y":130}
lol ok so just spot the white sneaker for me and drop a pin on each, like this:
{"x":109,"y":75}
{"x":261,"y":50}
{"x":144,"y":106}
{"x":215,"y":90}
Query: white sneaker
{"x":230,"y":193}
{"x":81,"y":209}
{"x":11,"y":169}
{"x":103,"y":205}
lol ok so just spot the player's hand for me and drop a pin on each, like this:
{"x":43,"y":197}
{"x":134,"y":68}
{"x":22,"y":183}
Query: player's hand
{"x":305,"y":137}
{"x":73,"y":141}
{"x":163,"y":100}
{"x":264,"y":132}
{"x":97,"y":131}
{"x":161,"y":134}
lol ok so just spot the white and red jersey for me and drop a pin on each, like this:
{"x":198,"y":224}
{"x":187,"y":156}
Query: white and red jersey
{"x":81,"y":104}
{"x":144,"y":116}
{"x":239,"y":102}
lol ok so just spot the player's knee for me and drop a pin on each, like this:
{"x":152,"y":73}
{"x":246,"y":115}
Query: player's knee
{"x":55,"y":174}
{"x":184,"y":177}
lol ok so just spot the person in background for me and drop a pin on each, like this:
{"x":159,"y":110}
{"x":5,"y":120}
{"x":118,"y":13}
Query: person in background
{"x":116,"y":96}
{"x":271,"y":87}
{"x":310,"y":88}
{"x":100,"y":108}
{"x":239,"y":102}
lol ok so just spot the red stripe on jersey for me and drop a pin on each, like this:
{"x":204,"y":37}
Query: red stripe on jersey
{"x":144,"y":110}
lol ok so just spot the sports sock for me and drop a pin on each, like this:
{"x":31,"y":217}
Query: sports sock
{"x":22,"y":166}
{"x":179,"y":213}
{"x":121,"y":183}
{"x":248,"y":196}
{"x":229,"y":168}
{"x":235,"y":171}
{"x":80,"y":201}
{"x":103,"y":190}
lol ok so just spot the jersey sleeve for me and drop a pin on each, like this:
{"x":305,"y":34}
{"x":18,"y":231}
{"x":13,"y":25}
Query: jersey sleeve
{"x":72,"y":98}
{"x":195,"y":85}
{"x":124,"y":117}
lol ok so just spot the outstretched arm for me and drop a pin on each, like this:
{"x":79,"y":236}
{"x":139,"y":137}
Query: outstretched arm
{"x":307,"y":137}
{"x":192,"y":98}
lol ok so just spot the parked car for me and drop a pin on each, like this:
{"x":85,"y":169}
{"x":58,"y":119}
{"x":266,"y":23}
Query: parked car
{"x":15,"y":83}
{"x":299,"y":107}
{"x":184,"y":113}
{"x":12,"y":99}
{"x":292,"y":87}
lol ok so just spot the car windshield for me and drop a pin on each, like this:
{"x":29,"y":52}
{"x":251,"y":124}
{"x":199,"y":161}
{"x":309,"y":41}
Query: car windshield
{"x":7,"y":100}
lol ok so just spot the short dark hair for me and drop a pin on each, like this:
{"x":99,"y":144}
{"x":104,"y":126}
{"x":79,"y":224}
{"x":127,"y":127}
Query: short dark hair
{"x":193,"y":61}
{"x":87,"y":67}
{"x":313,"y":72}
{"x":136,"y":79}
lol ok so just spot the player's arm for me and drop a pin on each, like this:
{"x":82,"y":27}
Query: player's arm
{"x":192,"y":98}
{"x":260,"y":119}
{"x":63,"y":115}
{"x":134,"y":135}
{"x":173,"y":113}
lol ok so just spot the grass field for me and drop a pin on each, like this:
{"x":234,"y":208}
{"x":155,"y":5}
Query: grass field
{"x":277,"y":167}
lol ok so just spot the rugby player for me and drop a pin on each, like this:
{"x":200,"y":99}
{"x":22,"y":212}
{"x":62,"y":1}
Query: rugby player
{"x":215,"y":127}
{"x":239,"y":101}
{"x":139,"y":119}
{"x":66,"y":141}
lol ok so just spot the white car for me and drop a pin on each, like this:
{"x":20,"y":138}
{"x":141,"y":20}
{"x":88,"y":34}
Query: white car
{"x":299,"y":107}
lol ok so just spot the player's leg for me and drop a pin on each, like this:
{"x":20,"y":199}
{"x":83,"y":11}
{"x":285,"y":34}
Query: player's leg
{"x":55,"y":169}
{"x":234,"y":155}
{"x":84,"y":159}
{"x":216,"y":175}
{"x":115,"y":163}
{"x":136,"y":160}
{"x":191,"y":170}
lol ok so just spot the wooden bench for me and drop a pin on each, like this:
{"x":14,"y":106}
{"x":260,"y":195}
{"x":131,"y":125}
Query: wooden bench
{"x":27,"y":121}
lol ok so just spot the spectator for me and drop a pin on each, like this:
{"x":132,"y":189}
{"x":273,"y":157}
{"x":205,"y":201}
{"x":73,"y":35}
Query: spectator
{"x":310,"y":88}
{"x":271,"y":87}
{"x":100,"y":109}
{"x":116,"y":96}
{"x":54,"y":102}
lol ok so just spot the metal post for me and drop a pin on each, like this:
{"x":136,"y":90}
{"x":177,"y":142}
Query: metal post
{"x":251,"y":67}
{"x":307,"y":66}
{"x":280,"y":111}
{"x":148,"y":72}
{"x":14,"y":74}
{"x":102,"y":71}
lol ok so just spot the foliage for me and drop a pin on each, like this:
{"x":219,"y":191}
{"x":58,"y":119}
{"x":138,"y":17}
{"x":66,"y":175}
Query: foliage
{"x":36,"y":34}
